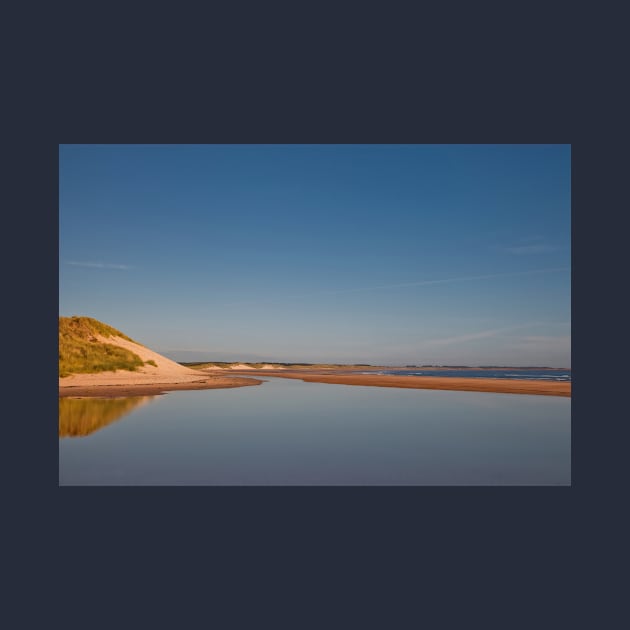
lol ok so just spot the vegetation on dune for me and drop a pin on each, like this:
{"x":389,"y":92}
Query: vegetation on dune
{"x":81,"y":352}
{"x":87,"y":327}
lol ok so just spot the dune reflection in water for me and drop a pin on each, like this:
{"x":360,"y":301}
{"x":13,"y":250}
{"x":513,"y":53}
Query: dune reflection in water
{"x":79,"y":417}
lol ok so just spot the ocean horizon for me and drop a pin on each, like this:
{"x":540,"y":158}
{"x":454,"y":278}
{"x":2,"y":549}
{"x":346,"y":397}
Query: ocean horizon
{"x":503,"y":373}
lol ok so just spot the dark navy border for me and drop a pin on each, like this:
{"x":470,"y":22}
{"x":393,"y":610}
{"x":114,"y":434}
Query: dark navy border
{"x":506,"y":557}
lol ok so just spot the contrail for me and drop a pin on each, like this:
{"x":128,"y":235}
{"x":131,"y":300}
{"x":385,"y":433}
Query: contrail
{"x":446,"y":280}
{"x":97,"y":265}
{"x":414,"y":284}
{"x":489,"y":333}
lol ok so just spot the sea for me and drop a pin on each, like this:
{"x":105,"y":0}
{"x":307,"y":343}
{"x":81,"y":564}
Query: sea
{"x":286,"y":432}
{"x":533,"y":374}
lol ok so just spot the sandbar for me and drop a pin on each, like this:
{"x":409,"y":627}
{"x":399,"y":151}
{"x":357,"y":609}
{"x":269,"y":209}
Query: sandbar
{"x":452,"y":383}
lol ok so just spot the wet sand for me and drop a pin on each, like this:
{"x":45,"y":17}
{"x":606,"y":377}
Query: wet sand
{"x":493,"y":385}
{"x":144,"y":389}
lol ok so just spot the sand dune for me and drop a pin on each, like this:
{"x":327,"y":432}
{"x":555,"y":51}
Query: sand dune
{"x":146,"y":379}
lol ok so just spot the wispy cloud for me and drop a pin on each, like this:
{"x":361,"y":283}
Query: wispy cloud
{"x":419,"y":283}
{"x":449,"y":280}
{"x":545,"y":340}
{"x":484,"y":334}
{"x":97,"y":265}
{"x":447,"y":341}
{"x":530,"y":245}
{"x":538,"y":248}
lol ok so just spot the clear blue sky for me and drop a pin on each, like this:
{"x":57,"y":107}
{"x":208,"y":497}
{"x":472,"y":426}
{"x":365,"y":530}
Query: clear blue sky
{"x":395,"y":254}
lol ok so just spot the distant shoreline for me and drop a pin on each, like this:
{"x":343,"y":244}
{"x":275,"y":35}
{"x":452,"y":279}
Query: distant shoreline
{"x":223,"y":365}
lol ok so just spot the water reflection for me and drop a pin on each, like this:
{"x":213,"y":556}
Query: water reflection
{"x":288,"y":432}
{"x":79,"y":417}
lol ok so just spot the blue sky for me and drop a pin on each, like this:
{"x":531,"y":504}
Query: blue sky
{"x":393,"y":254}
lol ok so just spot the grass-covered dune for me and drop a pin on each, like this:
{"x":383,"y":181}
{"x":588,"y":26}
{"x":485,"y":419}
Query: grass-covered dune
{"x":83,"y":351}
{"x":96,"y":360}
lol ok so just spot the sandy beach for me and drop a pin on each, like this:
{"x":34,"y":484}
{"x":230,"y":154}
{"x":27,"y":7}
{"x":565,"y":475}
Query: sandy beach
{"x":493,"y":385}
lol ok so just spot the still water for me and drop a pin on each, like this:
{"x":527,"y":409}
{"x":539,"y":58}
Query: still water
{"x":287,"y":432}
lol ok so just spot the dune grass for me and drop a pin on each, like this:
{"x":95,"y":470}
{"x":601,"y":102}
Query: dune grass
{"x":80,"y":351}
